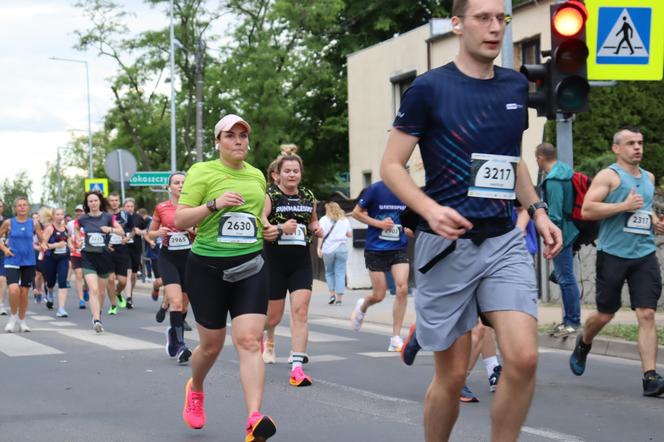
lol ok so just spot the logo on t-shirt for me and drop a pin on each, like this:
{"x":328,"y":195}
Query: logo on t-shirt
{"x":513,"y":106}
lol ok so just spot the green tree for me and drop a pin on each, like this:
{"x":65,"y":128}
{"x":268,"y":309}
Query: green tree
{"x":20,"y":185}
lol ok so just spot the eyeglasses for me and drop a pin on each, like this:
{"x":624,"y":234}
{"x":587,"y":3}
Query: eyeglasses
{"x":487,"y":19}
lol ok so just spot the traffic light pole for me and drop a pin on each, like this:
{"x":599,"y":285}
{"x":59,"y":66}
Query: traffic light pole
{"x":565,"y":139}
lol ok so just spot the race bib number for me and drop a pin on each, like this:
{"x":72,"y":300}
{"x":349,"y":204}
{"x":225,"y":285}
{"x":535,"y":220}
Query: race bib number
{"x":297,"y":238}
{"x":178,"y":241}
{"x":60,"y":250}
{"x":96,"y":239}
{"x":237,"y":227}
{"x":493,"y":176}
{"x":393,"y":234}
{"x":115,"y":239}
{"x":639,"y":223}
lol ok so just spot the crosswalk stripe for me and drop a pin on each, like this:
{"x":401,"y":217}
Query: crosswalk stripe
{"x":14,"y":345}
{"x":388,"y":354}
{"x":314,"y":336}
{"x":384,"y":330}
{"x":41,"y":318}
{"x":189,"y":336}
{"x":62,"y":324}
{"x":109,"y":340}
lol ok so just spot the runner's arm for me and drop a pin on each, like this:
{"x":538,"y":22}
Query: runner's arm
{"x":314,"y":226}
{"x":594,"y":207}
{"x":525,"y":191}
{"x":41,"y":236}
{"x":4,"y":230}
{"x":444,"y":221}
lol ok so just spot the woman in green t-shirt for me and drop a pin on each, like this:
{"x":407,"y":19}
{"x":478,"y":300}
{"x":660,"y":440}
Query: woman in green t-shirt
{"x":225,"y":198}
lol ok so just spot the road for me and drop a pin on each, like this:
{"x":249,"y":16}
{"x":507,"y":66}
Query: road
{"x":62,"y":382}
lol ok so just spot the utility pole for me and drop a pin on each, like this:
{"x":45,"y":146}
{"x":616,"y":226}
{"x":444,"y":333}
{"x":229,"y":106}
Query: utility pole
{"x":172,"y":56}
{"x":199,"y":69}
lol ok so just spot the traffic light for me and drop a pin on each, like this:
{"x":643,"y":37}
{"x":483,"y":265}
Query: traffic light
{"x":541,"y":99}
{"x":569,"y":53}
{"x":562,"y":81}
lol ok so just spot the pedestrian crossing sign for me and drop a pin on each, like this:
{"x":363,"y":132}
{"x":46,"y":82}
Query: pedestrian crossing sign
{"x":97,"y":184}
{"x":623,"y":41}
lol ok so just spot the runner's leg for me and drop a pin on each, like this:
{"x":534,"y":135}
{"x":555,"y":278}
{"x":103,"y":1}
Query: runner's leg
{"x":379,"y":284}
{"x":647,"y":338}
{"x":400,"y":275}
{"x":205,"y":354}
{"x":441,"y":403}
{"x":247,"y":330}
{"x":299,"y":304}
{"x":517,"y":336}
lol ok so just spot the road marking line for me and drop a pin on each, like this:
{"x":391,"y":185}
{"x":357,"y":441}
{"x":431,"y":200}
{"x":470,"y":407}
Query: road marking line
{"x":550,"y":434}
{"x":42,"y":318}
{"x":62,"y":324}
{"x":189,"y":336}
{"x":380,"y":354}
{"x":110,"y":340}
{"x":314,"y":336}
{"x":14,"y":345}
{"x":377,"y":329}
{"x":367,"y":394}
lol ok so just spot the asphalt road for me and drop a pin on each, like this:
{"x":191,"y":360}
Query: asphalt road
{"x":62,"y":382}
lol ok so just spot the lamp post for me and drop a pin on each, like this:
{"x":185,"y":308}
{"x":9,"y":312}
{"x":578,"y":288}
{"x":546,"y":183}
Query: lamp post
{"x":59,"y":172}
{"x":172,"y":57}
{"x":87,"y":80}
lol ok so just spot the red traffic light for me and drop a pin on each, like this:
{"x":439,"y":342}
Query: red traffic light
{"x":570,"y":18}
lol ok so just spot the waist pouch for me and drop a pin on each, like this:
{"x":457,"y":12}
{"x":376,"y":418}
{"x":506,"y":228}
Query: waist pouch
{"x":244,"y":270}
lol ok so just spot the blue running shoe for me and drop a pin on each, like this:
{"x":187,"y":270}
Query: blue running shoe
{"x":86,"y":295}
{"x":577,"y":361}
{"x":172,"y":345}
{"x":81,"y":304}
{"x":410,"y":347}
{"x":467,"y":395}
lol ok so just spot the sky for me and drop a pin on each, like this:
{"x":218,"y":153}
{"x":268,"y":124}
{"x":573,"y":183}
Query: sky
{"x":41,"y":100}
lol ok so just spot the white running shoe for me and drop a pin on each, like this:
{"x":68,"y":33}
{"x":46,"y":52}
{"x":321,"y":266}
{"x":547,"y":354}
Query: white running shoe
{"x":357,"y":316}
{"x":61,"y":313}
{"x":396,"y":343}
{"x":3,"y":311}
{"x":269,"y":355}
{"x":11,"y":325}
{"x":23,"y":326}
{"x":96,"y":325}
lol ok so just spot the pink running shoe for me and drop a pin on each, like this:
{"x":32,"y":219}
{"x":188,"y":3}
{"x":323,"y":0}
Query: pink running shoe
{"x":194,"y":410}
{"x":299,"y":379}
{"x":259,"y":428}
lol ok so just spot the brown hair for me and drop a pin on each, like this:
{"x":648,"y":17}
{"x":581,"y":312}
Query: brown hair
{"x":546,"y":151}
{"x":459,"y":7}
{"x":272,"y":168}
{"x":288,"y":153}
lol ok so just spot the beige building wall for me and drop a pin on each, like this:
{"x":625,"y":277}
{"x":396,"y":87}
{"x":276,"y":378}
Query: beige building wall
{"x":373,"y":98}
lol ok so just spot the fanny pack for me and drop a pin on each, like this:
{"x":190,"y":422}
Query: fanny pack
{"x":244,"y":270}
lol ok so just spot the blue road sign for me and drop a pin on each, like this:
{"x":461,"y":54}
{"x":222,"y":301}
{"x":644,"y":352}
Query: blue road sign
{"x":624,"y":35}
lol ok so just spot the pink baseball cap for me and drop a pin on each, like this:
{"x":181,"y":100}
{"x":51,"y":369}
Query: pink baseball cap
{"x":226,"y":123}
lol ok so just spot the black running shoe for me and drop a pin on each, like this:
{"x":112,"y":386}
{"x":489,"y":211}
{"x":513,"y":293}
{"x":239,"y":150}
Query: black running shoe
{"x":653,"y":385}
{"x":161,"y":314}
{"x":577,"y":361}
{"x":171,"y":346}
{"x":495,"y":376}
{"x":410,"y":347}
{"x":130,"y":302}
{"x":183,"y":354}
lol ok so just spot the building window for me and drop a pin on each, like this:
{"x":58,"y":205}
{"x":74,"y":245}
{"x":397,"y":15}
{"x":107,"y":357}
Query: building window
{"x":366,"y":179}
{"x":400,"y":83}
{"x":527,"y":51}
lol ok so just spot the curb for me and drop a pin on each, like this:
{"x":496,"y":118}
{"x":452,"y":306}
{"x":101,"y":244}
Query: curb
{"x":616,"y":348}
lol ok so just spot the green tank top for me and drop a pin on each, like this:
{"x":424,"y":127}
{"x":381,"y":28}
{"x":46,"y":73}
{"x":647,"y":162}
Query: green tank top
{"x":629,"y":234}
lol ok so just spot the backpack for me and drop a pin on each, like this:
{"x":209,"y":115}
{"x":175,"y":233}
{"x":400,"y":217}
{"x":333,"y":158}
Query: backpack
{"x":588,"y":229}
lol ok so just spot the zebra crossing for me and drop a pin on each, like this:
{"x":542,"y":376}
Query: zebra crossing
{"x":67,"y":332}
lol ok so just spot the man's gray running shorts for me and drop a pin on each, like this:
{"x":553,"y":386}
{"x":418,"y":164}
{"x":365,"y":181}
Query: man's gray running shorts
{"x":496,"y":275}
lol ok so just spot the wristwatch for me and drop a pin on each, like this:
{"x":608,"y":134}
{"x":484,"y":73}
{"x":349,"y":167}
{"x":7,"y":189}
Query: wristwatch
{"x":537,"y":205}
{"x":211,"y":205}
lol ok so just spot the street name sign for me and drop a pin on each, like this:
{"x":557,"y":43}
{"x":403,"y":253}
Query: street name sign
{"x":149,"y":179}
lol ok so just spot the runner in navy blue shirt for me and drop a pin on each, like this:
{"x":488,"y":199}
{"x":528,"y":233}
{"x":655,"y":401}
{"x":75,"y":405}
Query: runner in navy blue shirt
{"x":468,"y":118}
{"x":384,"y":251}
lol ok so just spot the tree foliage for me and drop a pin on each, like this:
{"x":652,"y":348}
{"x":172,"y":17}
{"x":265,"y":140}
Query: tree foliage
{"x":20,"y":185}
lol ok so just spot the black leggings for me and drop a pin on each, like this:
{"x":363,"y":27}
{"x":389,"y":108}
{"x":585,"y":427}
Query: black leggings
{"x":212,"y":298}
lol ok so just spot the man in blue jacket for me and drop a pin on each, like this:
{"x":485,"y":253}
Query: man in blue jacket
{"x":559,"y":195}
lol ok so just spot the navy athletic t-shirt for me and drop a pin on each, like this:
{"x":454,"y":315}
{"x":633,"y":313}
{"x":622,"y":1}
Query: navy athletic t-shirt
{"x":381,"y":203}
{"x":455,"y":116}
